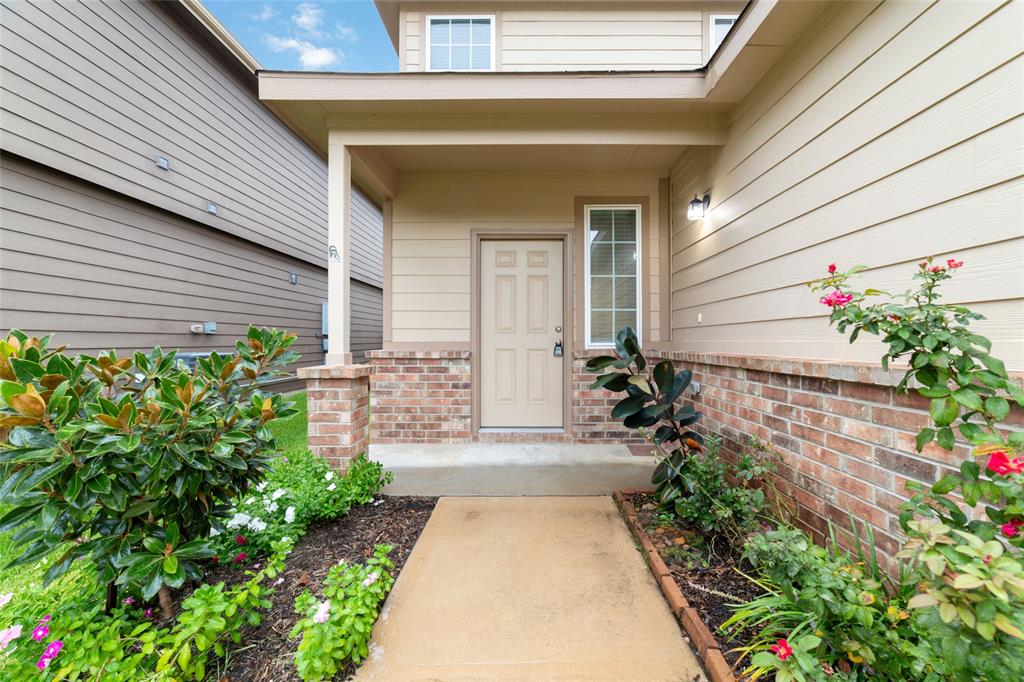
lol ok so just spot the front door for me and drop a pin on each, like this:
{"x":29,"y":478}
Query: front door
{"x":521,"y":324}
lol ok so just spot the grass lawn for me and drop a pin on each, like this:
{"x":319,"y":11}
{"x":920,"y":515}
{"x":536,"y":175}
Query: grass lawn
{"x":26,"y":581}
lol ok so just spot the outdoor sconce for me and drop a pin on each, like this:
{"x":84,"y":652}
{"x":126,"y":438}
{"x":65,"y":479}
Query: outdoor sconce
{"x":698,"y":207}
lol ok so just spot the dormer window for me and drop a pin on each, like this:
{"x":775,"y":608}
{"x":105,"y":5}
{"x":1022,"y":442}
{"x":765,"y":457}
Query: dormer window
{"x":721,"y":24}
{"x":460,"y":43}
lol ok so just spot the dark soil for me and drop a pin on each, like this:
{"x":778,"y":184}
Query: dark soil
{"x":266,"y":651}
{"x":707,"y":571}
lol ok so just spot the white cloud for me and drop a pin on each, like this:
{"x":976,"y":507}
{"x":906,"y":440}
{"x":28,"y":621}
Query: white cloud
{"x":265,"y":14}
{"x":308,"y":17}
{"x":310,"y":56}
{"x":346,"y":33}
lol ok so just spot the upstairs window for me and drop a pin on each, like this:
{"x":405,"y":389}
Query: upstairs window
{"x":461,"y":43}
{"x":720,"y":26}
{"x":612,"y":272}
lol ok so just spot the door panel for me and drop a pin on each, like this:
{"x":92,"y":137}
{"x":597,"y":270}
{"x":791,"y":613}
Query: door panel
{"x":521,"y":379}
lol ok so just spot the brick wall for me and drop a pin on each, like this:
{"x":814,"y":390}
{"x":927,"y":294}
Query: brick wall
{"x":420,"y":396}
{"x":338,"y":403}
{"x":845,"y":436}
{"x":591,"y":409}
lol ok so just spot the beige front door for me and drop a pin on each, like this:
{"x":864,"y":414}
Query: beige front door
{"x":521,"y":380}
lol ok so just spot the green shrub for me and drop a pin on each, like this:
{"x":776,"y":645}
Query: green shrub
{"x":131,"y":460}
{"x":299,"y":488}
{"x":339,"y":627}
{"x":127,"y":646}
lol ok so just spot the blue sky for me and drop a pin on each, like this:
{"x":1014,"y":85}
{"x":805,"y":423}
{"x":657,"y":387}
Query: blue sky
{"x":321,"y":35}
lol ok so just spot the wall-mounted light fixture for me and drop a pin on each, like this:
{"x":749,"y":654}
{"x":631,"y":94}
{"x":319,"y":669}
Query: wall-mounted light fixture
{"x":293,"y":278}
{"x":698,"y":208}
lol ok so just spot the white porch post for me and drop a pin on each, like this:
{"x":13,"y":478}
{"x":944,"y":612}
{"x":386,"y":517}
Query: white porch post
{"x":339,"y":243}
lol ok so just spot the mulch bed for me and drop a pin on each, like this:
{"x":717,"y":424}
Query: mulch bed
{"x":266,"y":652}
{"x":707,"y":572}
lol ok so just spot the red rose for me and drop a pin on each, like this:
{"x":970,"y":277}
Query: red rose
{"x":1001,"y":464}
{"x":953,"y":263}
{"x":831,"y":268}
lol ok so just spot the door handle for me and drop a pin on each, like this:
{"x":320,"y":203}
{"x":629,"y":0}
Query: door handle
{"x":558,"y":349}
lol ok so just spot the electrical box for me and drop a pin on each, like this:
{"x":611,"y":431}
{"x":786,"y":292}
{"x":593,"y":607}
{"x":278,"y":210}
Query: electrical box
{"x":209,"y":327}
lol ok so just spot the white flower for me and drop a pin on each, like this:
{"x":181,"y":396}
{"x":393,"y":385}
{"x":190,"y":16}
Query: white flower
{"x":271,"y":507}
{"x":238,"y":520}
{"x":286,"y":539}
{"x":371,"y":579}
{"x":278,"y":493}
{"x":331,"y":486}
{"x":4,"y":598}
{"x":323,"y":612}
{"x":279,"y":580}
{"x":214,"y":532}
{"x":329,"y":475}
{"x":289,"y":515}
{"x":261,"y":487}
{"x":256,"y":525}
{"x":250,"y":500}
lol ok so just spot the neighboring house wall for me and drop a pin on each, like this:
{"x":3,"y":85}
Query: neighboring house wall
{"x":432,"y":220}
{"x":549,"y":36}
{"x":103,"y":271}
{"x":883,"y":136}
{"x":95,"y":91}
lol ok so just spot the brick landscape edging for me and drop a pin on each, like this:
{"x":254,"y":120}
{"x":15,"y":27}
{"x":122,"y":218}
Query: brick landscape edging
{"x":690,"y":621}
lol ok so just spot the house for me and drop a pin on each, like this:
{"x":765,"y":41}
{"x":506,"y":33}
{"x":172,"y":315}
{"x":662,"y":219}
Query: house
{"x":136,"y":208}
{"x":553,"y":171}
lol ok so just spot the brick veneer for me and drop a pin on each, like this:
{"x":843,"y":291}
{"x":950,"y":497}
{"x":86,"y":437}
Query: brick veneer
{"x":845,"y":436}
{"x":338,"y":404}
{"x":420,"y":396}
{"x":591,"y":409}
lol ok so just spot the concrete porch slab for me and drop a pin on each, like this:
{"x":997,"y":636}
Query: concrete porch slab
{"x":534,"y":588}
{"x":493,"y":469}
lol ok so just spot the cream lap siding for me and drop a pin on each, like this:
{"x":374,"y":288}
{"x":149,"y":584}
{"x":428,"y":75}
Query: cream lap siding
{"x":99,"y":89}
{"x":893,"y":132}
{"x":104,"y":272}
{"x":432,"y":220}
{"x":592,"y":40}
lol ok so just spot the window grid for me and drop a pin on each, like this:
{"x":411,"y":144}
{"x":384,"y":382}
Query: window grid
{"x":612,"y":272}
{"x":460,"y":43}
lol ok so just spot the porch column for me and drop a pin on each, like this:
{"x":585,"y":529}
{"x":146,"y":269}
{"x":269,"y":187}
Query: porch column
{"x":339,"y":244}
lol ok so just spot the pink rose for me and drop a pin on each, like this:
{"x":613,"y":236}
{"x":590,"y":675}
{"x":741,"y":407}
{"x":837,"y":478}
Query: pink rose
{"x":1000,"y":464}
{"x":832,"y":268}
{"x":836,"y":298}
{"x":1012,"y":529}
{"x":953,"y":263}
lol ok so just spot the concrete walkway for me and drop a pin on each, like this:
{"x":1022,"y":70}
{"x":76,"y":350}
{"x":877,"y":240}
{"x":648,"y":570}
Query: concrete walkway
{"x":512,"y":469}
{"x":527,"y":588}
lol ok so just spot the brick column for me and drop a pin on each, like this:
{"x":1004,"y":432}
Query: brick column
{"x":339,"y":416}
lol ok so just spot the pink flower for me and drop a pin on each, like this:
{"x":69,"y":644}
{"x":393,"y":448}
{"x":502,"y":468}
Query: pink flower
{"x":1012,"y":529}
{"x":240,"y":539}
{"x":148,"y":613}
{"x":782,"y":649}
{"x":45,"y":619}
{"x":52,"y":649}
{"x":240,"y":557}
{"x":128,"y":601}
{"x":323,"y":612}
{"x":936,"y":268}
{"x":1000,"y":464}
{"x":5,"y":599}
{"x":953,"y":264}
{"x":831,"y":268}
{"x":40,"y":632}
{"x":836,"y":298}
{"x":9,"y":635}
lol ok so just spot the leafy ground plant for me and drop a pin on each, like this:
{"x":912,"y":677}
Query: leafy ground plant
{"x":338,"y":627}
{"x":130,"y":461}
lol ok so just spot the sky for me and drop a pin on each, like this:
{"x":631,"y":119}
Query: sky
{"x":321,"y":35}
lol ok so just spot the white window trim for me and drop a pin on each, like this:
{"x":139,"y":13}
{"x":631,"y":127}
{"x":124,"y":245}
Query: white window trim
{"x":586,"y":273}
{"x":711,"y":31}
{"x":426,"y":39}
